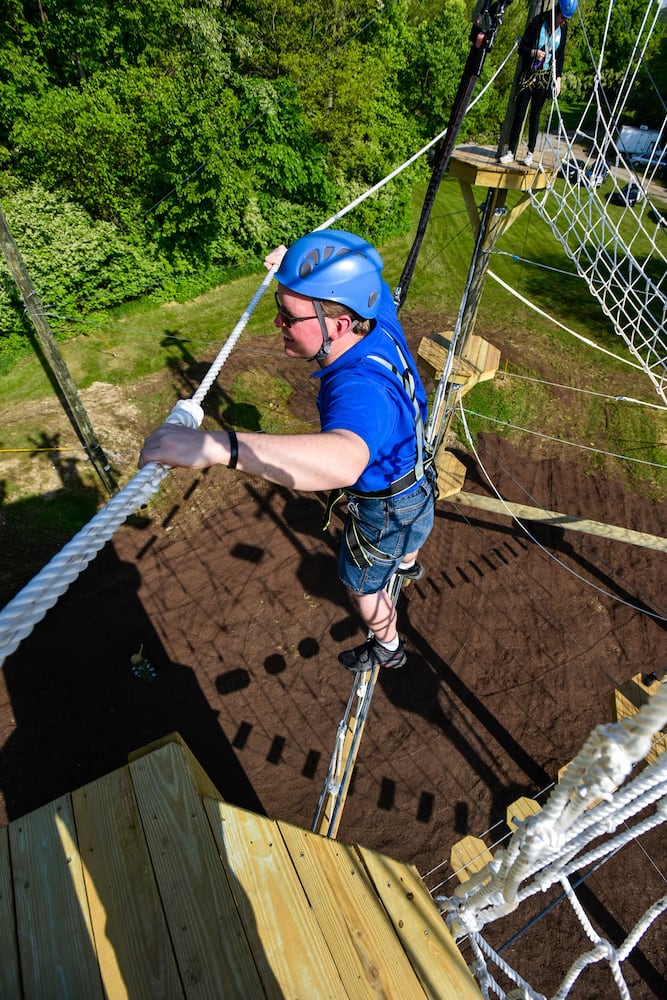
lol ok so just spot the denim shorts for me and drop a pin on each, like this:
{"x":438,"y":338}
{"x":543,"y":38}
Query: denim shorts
{"x":395,"y":526}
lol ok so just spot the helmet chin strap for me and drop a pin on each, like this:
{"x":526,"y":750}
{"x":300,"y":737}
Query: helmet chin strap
{"x":326,"y":339}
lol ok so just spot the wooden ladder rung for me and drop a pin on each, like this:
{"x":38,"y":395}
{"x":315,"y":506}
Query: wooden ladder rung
{"x":521,"y":809}
{"x":478,"y":362}
{"x":469,"y":856}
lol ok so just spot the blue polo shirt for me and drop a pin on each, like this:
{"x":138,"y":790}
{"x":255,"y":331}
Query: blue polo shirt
{"x":359,"y":394}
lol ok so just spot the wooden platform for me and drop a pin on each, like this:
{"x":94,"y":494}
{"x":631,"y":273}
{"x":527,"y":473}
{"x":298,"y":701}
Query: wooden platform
{"x":145,"y":884}
{"x":477,"y":165}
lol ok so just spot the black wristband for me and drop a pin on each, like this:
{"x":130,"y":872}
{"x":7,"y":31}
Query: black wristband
{"x":233,"y":450}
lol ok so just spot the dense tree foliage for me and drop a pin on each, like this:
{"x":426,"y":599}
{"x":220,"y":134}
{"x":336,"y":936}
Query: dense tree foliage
{"x":194,"y":134}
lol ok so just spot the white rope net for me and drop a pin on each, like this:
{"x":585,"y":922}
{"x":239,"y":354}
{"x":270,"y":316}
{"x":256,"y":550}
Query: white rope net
{"x":586,"y":819}
{"x":617,"y":244}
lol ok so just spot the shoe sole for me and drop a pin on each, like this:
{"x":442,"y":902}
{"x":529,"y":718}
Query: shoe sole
{"x":383,"y":666}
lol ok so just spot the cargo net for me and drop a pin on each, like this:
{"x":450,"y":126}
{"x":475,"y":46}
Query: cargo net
{"x":601,"y":196}
{"x":597,"y":807}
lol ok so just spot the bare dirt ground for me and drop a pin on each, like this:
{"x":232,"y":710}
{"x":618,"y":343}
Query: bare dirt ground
{"x":515,"y":647}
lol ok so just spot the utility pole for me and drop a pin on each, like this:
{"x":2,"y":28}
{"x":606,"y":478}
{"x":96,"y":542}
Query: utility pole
{"x":53,"y":361}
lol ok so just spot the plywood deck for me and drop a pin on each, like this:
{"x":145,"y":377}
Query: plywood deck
{"x":145,"y":884}
{"x":477,"y":165}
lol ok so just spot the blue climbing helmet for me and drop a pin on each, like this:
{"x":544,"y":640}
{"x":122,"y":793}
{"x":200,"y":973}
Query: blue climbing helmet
{"x":334,"y":266}
{"x":567,"y":8}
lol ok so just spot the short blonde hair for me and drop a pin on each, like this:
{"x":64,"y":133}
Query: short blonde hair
{"x":335,"y":309}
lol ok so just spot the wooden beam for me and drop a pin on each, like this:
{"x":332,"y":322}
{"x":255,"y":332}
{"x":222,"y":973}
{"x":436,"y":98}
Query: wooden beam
{"x":421,"y":930}
{"x":330,"y":812}
{"x":568,"y":521}
{"x":204,"y":924}
{"x":451,"y":473}
{"x":477,"y":362}
{"x":131,"y":937}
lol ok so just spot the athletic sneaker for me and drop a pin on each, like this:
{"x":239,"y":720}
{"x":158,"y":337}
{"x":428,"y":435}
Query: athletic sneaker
{"x":507,"y":157}
{"x":414,"y":572}
{"x":370,"y":654}
{"x":528,"y":159}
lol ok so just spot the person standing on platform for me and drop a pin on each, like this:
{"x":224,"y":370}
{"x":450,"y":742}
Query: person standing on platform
{"x":542,"y":54}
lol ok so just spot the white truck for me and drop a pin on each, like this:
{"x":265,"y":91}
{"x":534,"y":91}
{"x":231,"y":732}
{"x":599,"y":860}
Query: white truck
{"x":633,"y":141}
{"x":640,"y":147}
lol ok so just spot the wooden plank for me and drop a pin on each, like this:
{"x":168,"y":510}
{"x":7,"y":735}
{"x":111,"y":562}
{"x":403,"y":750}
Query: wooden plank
{"x":468,"y":856}
{"x":432,"y":352}
{"x":477,"y":165}
{"x":568,"y":521}
{"x":55,"y":935}
{"x":432,"y":952}
{"x":290,"y":949}
{"x":209,"y":942}
{"x":521,"y":809}
{"x":369,"y":957}
{"x":133,"y":945}
{"x":204,"y":783}
{"x":10,"y":976}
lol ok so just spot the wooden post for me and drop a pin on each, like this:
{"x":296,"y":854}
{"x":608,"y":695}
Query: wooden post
{"x":53,"y":361}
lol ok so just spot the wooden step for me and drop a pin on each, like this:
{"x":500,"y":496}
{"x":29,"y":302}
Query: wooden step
{"x":451,"y":473}
{"x":478,"y":362}
{"x":468,"y":857}
{"x":520,"y":810}
{"x":144,"y":883}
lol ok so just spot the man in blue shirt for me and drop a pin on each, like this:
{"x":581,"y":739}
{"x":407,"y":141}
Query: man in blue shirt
{"x":335,"y":309}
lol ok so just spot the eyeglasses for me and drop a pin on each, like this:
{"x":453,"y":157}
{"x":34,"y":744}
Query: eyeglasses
{"x":286,"y":318}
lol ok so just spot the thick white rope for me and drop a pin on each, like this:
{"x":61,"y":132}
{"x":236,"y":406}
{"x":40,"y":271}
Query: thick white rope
{"x":543,"y":844}
{"x":30,"y":605}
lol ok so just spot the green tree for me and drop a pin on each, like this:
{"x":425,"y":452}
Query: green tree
{"x":22,"y":68}
{"x":77,"y":265}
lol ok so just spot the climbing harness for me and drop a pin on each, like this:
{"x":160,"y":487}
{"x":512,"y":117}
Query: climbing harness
{"x":363,"y":551}
{"x":535,"y":80}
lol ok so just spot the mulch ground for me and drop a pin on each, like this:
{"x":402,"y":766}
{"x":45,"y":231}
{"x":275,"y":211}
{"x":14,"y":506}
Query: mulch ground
{"x":515,"y":645}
